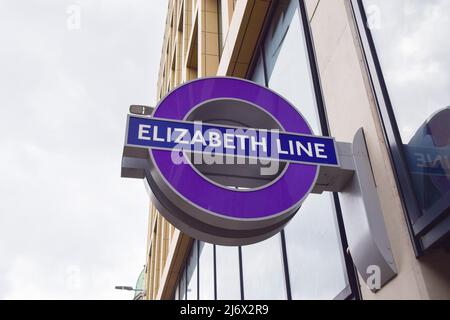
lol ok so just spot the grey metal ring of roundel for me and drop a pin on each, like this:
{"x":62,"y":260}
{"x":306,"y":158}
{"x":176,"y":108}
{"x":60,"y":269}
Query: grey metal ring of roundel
{"x":207,"y":211}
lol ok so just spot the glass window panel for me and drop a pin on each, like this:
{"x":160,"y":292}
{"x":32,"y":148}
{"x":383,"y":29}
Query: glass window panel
{"x":191,"y":274}
{"x":411,"y":38}
{"x":206,"y":271}
{"x":258,"y":72}
{"x":314,"y":250}
{"x":228,"y":275}
{"x":193,"y":7}
{"x":315,"y":259}
{"x":263,"y":271}
{"x":183,"y":285}
{"x":286,"y":60}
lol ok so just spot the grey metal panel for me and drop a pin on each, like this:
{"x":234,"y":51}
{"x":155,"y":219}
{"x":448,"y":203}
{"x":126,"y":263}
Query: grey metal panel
{"x":363,"y":219}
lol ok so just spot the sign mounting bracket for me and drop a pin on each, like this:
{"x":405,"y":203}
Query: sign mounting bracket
{"x":361,"y":210}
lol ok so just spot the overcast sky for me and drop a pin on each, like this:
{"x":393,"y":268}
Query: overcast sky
{"x":413,"y":47}
{"x":70,"y":227}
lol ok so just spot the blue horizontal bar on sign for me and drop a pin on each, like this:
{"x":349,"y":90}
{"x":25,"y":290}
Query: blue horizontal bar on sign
{"x":231,"y":141}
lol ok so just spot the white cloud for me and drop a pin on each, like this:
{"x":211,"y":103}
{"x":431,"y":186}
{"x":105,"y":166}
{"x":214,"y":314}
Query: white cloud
{"x":70,"y":227}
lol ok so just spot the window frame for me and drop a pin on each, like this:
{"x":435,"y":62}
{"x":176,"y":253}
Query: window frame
{"x":426,"y":232}
{"x":182,"y":278}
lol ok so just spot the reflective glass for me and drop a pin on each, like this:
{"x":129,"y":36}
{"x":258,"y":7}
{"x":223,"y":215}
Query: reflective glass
{"x":206,"y":271}
{"x":411,"y":39}
{"x":258,"y":73}
{"x":314,"y":251}
{"x":228,"y":278}
{"x":262,"y":267}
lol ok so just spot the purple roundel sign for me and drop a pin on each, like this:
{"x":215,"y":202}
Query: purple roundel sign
{"x":227,"y":161}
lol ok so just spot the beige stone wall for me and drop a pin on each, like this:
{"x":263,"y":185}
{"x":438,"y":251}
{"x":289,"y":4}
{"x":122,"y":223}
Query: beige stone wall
{"x":347,"y":91}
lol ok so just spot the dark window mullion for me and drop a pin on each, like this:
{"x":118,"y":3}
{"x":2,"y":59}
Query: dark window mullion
{"x":285,"y":266}
{"x":215,"y":272}
{"x":263,"y":57}
{"x":282,"y":235}
{"x":198,"y":269}
{"x":349,"y":266}
{"x":185,"y":282}
{"x":241,"y":273}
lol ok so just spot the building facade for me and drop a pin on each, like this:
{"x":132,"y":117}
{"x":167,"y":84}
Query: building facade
{"x":346,"y":64}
